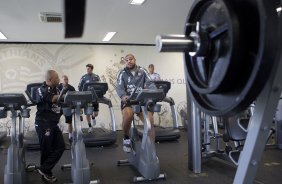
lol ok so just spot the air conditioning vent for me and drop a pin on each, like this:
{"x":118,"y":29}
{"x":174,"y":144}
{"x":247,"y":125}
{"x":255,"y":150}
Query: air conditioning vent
{"x":51,"y":17}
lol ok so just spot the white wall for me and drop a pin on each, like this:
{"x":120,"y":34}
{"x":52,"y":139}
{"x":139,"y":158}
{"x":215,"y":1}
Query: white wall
{"x":26,"y":63}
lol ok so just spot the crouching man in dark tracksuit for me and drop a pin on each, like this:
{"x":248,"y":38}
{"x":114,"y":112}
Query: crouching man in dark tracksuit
{"x":47,"y":118}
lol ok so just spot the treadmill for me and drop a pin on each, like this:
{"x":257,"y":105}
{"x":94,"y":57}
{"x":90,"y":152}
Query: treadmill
{"x":165,"y":133}
{"x":30,"y":138}
{"x":3,"y":134}
{"x":100,"y":136}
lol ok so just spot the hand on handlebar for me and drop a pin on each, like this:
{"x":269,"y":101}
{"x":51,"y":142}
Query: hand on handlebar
{"x":125,"y":98}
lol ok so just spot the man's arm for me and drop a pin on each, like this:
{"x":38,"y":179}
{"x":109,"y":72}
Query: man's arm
{"x":81,"y":83}
{"x":148,"y":83}
{"x":158,"y":77}
{"x":98,"y":78}
{"x":43,"y":96}
{"x":120,"y":89}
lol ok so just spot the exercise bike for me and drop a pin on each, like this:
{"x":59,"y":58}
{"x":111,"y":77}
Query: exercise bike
{"x":15,"y":167}
{"x":143,"y":153}
{"x":80,"y":167}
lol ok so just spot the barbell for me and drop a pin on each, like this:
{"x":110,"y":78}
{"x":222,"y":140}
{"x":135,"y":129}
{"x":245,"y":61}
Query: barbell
{"x":229,"y":49}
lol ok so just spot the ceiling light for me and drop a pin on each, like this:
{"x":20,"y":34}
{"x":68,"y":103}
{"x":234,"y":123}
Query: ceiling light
{"x":136,"y":2}
{"x":109,"y":36}
{"x":2,"y":36}
{"x":278,"y":9}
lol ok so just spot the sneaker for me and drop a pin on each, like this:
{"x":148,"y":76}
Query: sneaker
{"x":126,"y":145}
{"x":93,"y":122}
{"x":47,"y":177}
{"x":90,"y":130}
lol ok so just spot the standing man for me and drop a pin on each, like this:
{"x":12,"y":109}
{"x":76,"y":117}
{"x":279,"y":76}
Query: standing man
{"x":129,"y":78}
{"x":67,"y":87}
{"x":90,"y":77}
{"x":154,"y":76}
{"x":47,"y":118}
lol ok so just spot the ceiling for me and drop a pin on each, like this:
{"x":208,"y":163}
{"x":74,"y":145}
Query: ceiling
{"x":20,"y":22}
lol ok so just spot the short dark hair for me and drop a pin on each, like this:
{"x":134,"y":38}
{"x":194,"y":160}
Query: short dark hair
{"x":90,"y":66}
{"x":151,"y":66}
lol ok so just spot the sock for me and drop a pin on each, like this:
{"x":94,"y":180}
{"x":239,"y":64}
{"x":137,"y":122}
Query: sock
{"x":70,"y":135}
{"x":126,"y":137}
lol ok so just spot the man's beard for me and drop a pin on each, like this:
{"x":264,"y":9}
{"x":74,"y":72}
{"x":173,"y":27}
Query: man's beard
{"x":131,"y":67}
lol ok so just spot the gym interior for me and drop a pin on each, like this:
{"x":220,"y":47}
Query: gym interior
{"x":217,"y":107}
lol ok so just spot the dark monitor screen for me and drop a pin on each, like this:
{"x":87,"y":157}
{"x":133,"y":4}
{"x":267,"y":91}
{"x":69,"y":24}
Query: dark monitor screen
{"x":17,"y":99}
{"x":31,"y":89}
{"x":97,"y":88}
{"x":165,"y":85}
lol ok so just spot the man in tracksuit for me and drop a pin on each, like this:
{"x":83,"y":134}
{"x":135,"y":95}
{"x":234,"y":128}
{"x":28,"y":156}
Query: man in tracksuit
{"x":65,"y":85}
{"x":131,"y":77}
{"x":47,"y":118}
{"x":90,"y":77}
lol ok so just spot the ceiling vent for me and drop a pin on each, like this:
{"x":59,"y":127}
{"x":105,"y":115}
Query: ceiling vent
{"x":51,"y":17}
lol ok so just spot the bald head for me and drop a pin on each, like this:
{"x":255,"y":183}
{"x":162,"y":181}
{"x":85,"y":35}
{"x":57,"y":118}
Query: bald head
{"x":65,"y":80}
{"x":52,"y":78}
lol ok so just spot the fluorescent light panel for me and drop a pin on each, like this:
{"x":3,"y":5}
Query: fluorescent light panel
{"x":2,"y":36}
{"x":109,"y":36}
{"x":136,"y":2}
{"x":278,"y":9}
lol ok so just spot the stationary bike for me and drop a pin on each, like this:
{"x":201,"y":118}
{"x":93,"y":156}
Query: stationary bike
{"x":143,"y":153}
{"x":80,"y":167}
{"x":14,"y":172}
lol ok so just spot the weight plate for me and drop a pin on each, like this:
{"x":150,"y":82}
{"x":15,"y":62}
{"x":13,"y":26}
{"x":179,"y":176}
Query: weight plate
{"x":213,"y":70}
{"x":240,"y":54}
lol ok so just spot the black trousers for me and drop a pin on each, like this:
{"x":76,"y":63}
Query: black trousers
{"x":52,"y":146}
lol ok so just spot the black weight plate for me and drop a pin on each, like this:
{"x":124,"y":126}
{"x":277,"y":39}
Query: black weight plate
{"x":213,"y":72}
{"x":255,"y":24}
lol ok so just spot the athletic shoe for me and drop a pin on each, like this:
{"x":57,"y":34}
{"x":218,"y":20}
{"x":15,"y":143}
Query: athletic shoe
{"x":47,"y":177}
{"x":127,"y":145}
{"x":93,"y":122}
{"x":90,"y":130}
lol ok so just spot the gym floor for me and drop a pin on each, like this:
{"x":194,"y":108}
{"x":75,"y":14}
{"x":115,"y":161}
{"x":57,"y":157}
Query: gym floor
{"x":173,"y":161}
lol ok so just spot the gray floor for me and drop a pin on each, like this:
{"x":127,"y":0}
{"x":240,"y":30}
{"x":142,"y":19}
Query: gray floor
{"x":173,"y":159}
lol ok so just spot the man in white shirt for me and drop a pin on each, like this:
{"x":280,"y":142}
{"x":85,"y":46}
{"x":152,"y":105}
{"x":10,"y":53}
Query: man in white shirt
{"x":154,"y":76}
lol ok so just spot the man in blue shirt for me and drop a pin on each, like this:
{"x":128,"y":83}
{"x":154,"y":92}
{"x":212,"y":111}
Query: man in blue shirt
{"x":65,"y":85}
{"x":90,"y":77}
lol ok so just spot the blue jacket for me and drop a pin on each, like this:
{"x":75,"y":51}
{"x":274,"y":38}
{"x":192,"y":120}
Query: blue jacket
{"x":88,"y":78}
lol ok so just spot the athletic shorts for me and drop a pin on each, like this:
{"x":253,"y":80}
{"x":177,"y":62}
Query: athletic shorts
{"x":96,"y":106}
{"x":68,"y":119}
{"x":125,"y":104}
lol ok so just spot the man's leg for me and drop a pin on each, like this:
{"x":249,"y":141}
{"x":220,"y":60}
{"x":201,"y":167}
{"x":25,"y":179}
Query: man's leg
{"x":57,"y":147}
{"x":91,"y":120}
{"x":52,"y":147}
{"x":127,"y":117}
{"x":69,"y":122}
{"x":88,"y":119}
